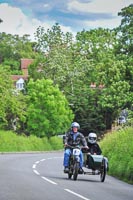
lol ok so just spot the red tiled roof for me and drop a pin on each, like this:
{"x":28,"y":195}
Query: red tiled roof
{"x":17,"y":77}
{"x":25,"y":62}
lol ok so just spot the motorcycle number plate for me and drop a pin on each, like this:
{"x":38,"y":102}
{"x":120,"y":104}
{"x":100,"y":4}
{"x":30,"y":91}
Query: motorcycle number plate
{"x":76,"y":152}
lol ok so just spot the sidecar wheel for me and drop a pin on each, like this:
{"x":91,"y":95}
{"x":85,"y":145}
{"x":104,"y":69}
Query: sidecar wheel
{"x":103,"y":171}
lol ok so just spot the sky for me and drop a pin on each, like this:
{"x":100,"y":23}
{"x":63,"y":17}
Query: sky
{"x":25,"y":16}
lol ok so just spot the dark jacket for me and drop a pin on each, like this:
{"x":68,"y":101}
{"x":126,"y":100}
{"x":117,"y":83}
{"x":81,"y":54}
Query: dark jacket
{"x":79,"y":139}
{"x":94,"y":148}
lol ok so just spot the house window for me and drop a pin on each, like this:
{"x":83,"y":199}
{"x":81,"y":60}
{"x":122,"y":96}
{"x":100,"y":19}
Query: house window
{"x":20,"y":84}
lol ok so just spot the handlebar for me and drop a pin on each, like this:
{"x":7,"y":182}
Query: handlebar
{"x":78,"y":147}
{"x":72,"y":147}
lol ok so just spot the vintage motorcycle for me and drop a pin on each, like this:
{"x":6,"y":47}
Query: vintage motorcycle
{"x":93,"y":164}
{"x":74,"y":162}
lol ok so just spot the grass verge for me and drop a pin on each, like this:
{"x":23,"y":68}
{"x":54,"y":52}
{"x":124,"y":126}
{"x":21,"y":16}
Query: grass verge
{"x":118,"y":147}
{"x":10,"y":142}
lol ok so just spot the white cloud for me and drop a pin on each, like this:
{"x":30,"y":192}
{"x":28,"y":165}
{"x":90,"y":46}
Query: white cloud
{"x":111,"y":7}
{"x":98,"y":6}
{"x":15,"y":22}
{"x":109,"y":23}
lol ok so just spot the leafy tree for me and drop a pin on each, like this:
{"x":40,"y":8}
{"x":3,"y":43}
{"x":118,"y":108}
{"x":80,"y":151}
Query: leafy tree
{"x":48,"y":110}
{"x":125,"y":31}
{"x":95,"y":43}
{"x":124,"y":47}
{"x":116,"y":91}
{"x":12,"y":102}
{"x":13,"y":48}
{"x":75,"y":65}
{"x":109,"y":70}
{"x":54,"y":37}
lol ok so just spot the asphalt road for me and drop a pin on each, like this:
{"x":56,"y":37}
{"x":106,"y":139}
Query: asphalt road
{"x":40,"y":176}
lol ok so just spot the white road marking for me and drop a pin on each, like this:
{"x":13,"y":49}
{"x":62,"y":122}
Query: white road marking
{"x":76,"y":194}
{"x":34,"y":166}
{"x":57,"y":157}
{"x":54,"y":183}
{"x":46,"y":179}
{"x":36,"y":172}
{"x":42,"y":160}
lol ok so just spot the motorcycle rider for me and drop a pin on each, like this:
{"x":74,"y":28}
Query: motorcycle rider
{"x":94,"y":147}
{"x":73,"y":138}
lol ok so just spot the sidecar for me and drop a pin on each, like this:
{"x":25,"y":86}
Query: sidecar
{"x":95,"y":165}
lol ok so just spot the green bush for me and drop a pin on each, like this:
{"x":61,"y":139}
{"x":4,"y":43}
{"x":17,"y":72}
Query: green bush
{"x":10,"y":142}
{"x":118,"y":147}
{"x":56,"y":143}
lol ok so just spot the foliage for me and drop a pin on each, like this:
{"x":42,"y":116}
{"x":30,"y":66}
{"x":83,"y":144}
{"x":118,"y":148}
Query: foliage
{"x":12,"y":65}
{"x":125,"y":30}
{"x":13,"y":48}
{"x":118,"y":147}
{"x":75,"y":65}
{"x":124,"y":46}
{"x":10,"y":142}
{"x":12,"y":103}
{"x":54,"y":37}
{"x":56,"y":143}
{"x":48,"y":110}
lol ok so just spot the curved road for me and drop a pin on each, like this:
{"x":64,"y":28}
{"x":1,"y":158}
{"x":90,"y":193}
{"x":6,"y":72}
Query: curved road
{"x":40,"y":176}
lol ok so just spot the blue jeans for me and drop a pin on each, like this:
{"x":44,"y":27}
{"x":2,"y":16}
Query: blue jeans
{"x":67,"y":154}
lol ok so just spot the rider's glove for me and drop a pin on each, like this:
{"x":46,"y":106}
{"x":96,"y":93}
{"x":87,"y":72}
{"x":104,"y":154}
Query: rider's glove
{"x":65,"y":145}
{"x":86,"y":147}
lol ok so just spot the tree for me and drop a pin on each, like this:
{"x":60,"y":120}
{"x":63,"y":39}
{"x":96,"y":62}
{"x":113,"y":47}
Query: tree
{"x":124,"y":48}
{"x":91,"y":58}
{"x":108,"y":69}
{"x":54,"y":37}
{"x":116,"y":91}
{"x":125,"y":31}
{"x":12,"y":102}
{"x":13,"y":48}
{"x":48,"y":110}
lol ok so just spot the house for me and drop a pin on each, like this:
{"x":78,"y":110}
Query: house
{"x":19,"y":80}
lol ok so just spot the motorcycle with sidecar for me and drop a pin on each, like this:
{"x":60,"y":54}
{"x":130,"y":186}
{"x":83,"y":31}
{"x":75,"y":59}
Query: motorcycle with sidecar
{"x":93,"y":164}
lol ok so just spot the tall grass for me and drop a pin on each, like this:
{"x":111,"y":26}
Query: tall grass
{"x":118,"y":147}
{"x":10,"y":142}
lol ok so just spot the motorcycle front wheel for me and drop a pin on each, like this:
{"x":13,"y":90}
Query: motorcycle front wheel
{"x":69,"y":175}
{"x":75,"y":171}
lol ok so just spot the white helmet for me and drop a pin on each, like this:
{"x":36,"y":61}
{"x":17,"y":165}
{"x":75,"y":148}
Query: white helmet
{"x":75,"y":124}
{"x":92,"y":138}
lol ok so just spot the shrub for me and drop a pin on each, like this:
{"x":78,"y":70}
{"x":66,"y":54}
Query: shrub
{"x":10,"y":142}
{"x":118,"y":147}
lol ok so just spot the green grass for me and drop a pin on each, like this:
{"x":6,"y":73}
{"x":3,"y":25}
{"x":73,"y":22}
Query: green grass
{"x":10,"y":142}
{"x":118,"y":147}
